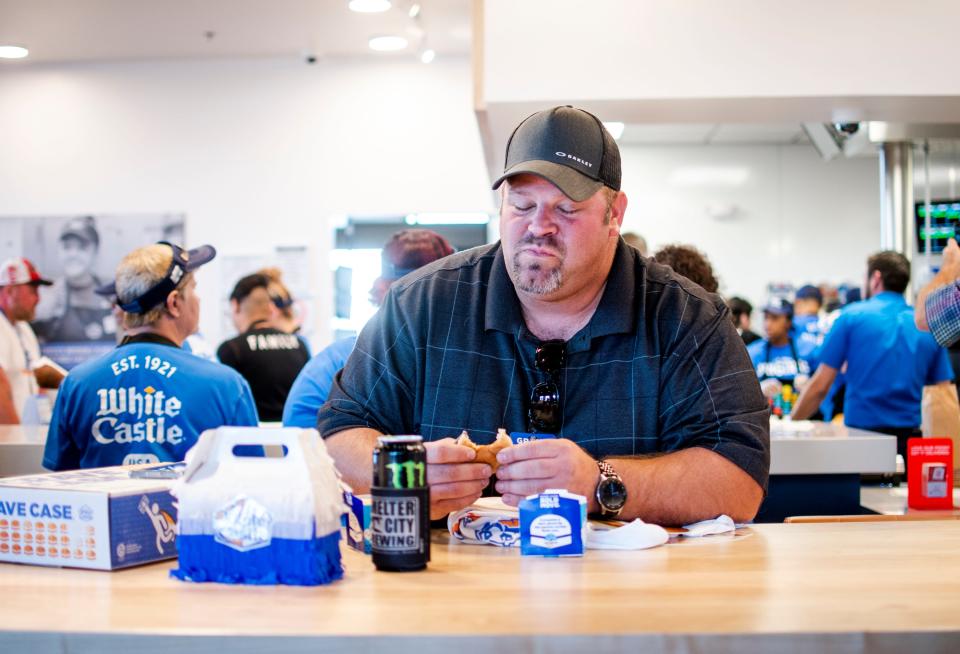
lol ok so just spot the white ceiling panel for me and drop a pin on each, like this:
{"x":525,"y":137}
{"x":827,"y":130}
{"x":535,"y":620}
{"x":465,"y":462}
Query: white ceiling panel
{"x":766,"y":134}
{"x":86,"y":30}
{"x":636,"y":134}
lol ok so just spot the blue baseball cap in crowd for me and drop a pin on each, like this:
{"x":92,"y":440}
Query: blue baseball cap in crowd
{"x":810,"y":292}
{"x":779,"y":307}
{"x":183,"y":262}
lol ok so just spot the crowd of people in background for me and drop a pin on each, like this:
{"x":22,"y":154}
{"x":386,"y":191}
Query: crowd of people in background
{"x":863,"y":361}
{"x":822,"y":354}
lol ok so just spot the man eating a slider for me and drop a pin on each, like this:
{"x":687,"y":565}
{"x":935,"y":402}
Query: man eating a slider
{"x":628,"y":383}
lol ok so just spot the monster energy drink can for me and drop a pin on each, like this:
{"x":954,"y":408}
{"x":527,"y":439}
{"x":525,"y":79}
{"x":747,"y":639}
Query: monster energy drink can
{"x":400,"y":504}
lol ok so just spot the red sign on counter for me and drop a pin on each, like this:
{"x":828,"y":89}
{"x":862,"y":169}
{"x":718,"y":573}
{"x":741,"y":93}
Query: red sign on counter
{"x":930,"y":473}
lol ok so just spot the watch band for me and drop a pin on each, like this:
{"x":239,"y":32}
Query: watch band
{"x":606,"y":469}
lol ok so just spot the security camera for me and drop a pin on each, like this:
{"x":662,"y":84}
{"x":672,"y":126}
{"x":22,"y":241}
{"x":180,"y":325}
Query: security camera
{"x":310,"y":59}
{"x":847,"y":128}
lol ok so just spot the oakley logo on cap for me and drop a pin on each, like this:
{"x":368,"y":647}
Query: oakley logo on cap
{"x":575,"y":158}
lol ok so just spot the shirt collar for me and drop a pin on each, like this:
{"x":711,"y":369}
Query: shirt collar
{"x":147,"y":337}
{"x":614,"y":315}
{"x":890,"y":297}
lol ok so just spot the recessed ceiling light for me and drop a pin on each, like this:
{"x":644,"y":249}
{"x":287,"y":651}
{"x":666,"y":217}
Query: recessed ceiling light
{"x":414,"y":10}
{"x":428,"y":56}
{"x":615,"y":129}
{"x":13,"y":52}
{"x":369,"y":6}
{"x":390,"y":43}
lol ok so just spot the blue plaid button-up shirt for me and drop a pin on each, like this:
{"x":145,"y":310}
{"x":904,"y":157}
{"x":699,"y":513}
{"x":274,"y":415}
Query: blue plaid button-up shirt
{"x":658,"y":368}
{"x":943,"y":314}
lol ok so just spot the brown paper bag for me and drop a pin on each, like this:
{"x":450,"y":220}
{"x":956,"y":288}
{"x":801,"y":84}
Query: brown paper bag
{"x":941,"y":418}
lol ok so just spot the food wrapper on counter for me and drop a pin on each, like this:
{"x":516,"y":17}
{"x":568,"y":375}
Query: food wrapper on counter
{"x":491,"y":522}
{"x":487,"y":522}
{"x":722,"y":524}
{"x":555,"y":525}
{"x":246,"y":518}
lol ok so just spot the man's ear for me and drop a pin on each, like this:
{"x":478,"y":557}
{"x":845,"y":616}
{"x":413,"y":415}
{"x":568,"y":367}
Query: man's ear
{"x":617,"y":210}
{"x":173,"y":303}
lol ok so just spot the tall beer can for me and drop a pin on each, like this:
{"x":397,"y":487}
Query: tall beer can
{"x":400,"y":504}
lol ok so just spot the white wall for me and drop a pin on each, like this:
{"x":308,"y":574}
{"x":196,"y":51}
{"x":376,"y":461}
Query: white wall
{"x":797,"y":219}
{"x":263,"y":153}
{"x":749,"y":49}
{"x":257,"y":153}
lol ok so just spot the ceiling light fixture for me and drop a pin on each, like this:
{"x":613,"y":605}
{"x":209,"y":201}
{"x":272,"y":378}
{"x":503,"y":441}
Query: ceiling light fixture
{"x":427,"y":56}
{"x":615,"y":129}
{"x":369,"y":6}
{"x":13,"y":52}
{"x":389,"y":43}
{"x":414,"y":10}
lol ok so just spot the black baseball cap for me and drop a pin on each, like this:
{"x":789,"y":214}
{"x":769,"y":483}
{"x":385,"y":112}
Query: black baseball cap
{"x":569,"y":148}
{"x":182,"y":262}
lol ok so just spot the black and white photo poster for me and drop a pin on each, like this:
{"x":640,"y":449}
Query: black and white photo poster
{"x":79,"y":253}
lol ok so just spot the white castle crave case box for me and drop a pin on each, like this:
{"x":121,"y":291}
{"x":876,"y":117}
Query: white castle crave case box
{"x":98,"y":518}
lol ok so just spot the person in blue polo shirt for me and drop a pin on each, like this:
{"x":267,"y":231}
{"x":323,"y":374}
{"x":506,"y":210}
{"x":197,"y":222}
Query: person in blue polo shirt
{"x":148,"y":400}
{"x":406,"y":251}
{"x":888,"y":359}
{"x":780,"y":358}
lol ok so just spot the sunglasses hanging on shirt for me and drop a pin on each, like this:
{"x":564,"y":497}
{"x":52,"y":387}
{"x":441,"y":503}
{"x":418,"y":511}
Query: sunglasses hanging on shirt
{"x":544,"y":411}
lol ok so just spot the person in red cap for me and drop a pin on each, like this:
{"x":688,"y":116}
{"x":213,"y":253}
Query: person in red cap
{"x":22,"y":371}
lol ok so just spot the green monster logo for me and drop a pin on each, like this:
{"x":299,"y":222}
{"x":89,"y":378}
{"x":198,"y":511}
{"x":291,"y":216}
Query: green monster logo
{"x":411,"y":468}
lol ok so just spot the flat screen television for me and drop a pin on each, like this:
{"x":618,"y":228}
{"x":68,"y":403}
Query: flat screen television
{"x":944,"y":224}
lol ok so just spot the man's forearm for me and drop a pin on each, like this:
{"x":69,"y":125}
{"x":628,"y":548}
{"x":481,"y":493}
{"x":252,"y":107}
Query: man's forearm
{"x":687,"y":486}
{"x":673,"y":489}
{"x":814,"y":392}
{"x":352,"y":451}
{"x":942,"y":278}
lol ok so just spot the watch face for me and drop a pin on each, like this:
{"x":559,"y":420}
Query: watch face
{"x":612,"y":494}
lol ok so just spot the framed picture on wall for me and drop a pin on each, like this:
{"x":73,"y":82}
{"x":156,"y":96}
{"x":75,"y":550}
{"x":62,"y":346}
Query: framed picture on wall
{"x":80,"y":253}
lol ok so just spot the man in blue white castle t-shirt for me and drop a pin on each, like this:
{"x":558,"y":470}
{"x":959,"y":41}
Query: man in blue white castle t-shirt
{"x":780,"y":358}
{"x":148,"y":400}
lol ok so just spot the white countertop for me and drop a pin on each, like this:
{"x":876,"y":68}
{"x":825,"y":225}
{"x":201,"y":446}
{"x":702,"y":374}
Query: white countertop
{"x":820,"y":448}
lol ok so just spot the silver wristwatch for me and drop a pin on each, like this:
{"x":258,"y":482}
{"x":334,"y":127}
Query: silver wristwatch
{"x":611,"y":491}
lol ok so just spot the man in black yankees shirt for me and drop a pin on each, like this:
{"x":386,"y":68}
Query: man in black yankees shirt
{"x":268,"y":358}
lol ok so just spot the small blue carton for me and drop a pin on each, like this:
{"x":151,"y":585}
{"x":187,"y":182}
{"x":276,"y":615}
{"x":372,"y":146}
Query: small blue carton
{"x":553,"y":523}
{"x":356,"y":521}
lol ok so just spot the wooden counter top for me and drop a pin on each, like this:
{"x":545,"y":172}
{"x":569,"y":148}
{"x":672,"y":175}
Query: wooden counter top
{"x":853,"y":586}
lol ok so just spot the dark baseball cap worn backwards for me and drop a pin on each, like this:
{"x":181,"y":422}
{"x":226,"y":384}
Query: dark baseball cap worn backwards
{"x":569,"y":148}
{"x":182,"y":262}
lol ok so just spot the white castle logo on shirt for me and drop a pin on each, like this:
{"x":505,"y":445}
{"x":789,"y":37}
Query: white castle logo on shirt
{"x":128,"y":416}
